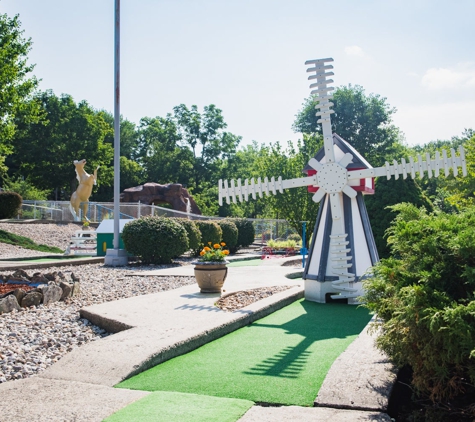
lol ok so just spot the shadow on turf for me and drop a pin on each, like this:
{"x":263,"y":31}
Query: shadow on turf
{"x":206,"y":308}
{"x":290,"y":361}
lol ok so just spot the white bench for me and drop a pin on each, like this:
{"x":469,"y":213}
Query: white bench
{"x":83,"y":242}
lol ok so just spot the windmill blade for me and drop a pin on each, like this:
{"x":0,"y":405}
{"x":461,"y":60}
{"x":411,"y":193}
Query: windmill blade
{"x":324,"y":105}
{"x":428,"y":167}
{"x":232,"y":191}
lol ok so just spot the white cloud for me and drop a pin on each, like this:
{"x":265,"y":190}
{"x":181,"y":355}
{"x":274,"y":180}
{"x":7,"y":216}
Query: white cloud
{"x":354,"y":50}
{"x":461,"y":76}
{"x":422,"y":124}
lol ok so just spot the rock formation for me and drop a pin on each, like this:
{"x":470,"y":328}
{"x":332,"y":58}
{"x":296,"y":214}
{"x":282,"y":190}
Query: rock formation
{"x":153,"y":193}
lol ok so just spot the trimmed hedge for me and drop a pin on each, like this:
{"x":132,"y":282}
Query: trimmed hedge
{"x":192,"y":231}
{"x":246,"y":232}
{"x":230,"y":233}
{"x":155,"y":240}
{"x":210,"y":232}
{"x":10,"y":204}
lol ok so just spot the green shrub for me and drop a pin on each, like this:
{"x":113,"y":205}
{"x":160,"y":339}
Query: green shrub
{"x":391,"y":192}
{"x":424,"y":297}
{"x":281,"y":244}
{"x":230,"y":233}
{"x":10,"y":204}
{"x":26,"y":189}
{"x":155,"y":240}
{"x":192,"y":231}
{"x":294,"y":236}
{"x":246,"y":232}
{"x":210,"y":232}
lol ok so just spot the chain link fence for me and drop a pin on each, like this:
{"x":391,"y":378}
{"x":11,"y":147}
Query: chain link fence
{"x":60,"y":211}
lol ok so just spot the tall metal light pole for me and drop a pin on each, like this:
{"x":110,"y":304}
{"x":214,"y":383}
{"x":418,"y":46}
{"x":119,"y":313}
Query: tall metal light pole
{"x":116,"y":257}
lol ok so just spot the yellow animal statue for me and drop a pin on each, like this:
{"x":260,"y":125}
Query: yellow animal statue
{"x":84,"y":190}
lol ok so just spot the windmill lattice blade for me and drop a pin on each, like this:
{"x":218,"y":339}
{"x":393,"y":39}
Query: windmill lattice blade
{"x":324,"y":105}
{"x":233,"y":191}
{"x":431,"y":167}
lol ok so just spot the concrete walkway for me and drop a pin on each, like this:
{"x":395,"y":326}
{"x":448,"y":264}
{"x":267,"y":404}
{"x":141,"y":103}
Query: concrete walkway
{"x":153,"y":328}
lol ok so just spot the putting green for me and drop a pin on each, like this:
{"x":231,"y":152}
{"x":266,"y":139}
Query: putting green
{"x":179,"y":407}
{"x":280,"y":359}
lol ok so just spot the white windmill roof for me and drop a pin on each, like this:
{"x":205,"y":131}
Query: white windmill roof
{"x":341,"y":147}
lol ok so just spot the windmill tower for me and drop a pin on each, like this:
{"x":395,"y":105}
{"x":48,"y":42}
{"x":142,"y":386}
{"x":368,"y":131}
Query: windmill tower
{"x":343,"y":247}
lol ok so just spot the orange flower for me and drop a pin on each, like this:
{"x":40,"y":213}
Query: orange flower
{"x":223,"y":244}
{"x":202,"y":253}
{"x":206,"y":249}
{"x":226,"y":252}
{"x":216,"y":246}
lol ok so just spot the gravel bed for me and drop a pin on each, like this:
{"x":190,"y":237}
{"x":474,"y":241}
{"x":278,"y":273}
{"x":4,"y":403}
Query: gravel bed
{"x":34,"y":338}
{"x":237,"y":300}
{"x":51,"y":234}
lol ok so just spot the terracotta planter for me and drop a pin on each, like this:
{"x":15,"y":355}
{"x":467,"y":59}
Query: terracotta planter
{"x":210,"y":275}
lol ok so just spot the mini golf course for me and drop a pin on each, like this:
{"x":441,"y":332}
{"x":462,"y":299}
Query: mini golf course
{"x":280,"y":359}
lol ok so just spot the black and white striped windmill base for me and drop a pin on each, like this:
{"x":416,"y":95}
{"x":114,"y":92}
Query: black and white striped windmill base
{"x":343,"y":247}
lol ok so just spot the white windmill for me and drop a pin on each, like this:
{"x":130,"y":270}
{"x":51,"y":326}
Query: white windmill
{"x":343,"y":247}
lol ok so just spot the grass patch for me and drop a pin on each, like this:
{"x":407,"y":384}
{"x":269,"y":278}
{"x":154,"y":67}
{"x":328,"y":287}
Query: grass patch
{"x":179,"y":407}
{"x":280,"y":359}
{"x":26,"y":243}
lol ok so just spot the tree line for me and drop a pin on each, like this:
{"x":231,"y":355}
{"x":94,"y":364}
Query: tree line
{"x":41,"y":133}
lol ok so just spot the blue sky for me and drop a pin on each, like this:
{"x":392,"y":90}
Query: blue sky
{"x":247,"y":57}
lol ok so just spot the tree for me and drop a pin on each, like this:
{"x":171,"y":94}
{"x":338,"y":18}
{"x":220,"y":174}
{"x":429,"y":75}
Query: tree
{"x":204,"y":134}
{"x":16,"y":84}
{"x":128,"y":135}
{"x":362,"y":120}
{"x":294,"y":205}
{"x":451,"y":194}
{"x":246,"y":164}
{"x":159,"y":152}
{"x":45,"y":150}
{"x":25,"y":189}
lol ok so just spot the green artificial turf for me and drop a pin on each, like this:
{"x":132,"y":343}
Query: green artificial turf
{"x":180,"y":407}
{"x":245,"y":263}
{"x":281,"y":359}
{"x":55,"y":259}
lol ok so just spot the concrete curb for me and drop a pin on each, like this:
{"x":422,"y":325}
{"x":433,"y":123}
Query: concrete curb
{"x":361,"y":377}
{"x":15,"y":265}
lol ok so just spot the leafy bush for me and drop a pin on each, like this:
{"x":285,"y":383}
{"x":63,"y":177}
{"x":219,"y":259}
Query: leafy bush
{"x":282,"y":244}
{"x":246,"y":233}
{"x":210,"y":232}
{"x":391,"y":192}
{"x":155,"y":240}
{"x":294,"y":236}
{"x":424,"y":296}
{"x":192,"y":231}
{"x":230,"y":233}
{"x":10,"y":203}
{"x":26,"y":189}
